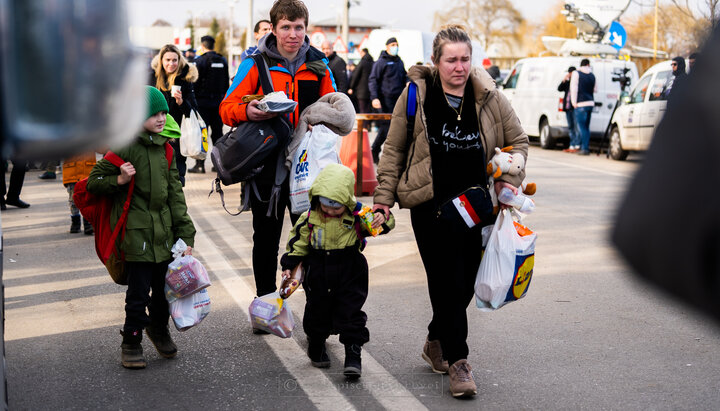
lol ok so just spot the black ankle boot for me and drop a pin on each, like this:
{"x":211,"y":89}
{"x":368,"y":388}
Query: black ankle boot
{"x":160,"y":337}
{"x":87,"y":227}
{"x":132,"y":351}
{"x":75,"y":224}
{"x":353,"y":366}
{"x":318,"y":354}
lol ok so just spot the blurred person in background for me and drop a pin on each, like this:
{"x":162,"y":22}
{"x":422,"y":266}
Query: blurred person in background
{"x":171,"y":69}
{"x":337,"y":67}
{"x":386,"y":82}
{"x":359,"y":87}
{"x":210,"y":88}
{"x":262,"y":27}
{"x":17,"y":178}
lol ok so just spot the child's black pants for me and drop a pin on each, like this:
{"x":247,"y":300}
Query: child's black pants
{"x":142,"y":279}
{"x":336,"y":287}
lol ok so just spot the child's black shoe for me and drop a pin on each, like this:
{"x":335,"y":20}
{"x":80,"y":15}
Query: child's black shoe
{"x":353,"y":366}
{"x":318,"y":354}
{"x":160,"y":337}
{"x":132,"y":351}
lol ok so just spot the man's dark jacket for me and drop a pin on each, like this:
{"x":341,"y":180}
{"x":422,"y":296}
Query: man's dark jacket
{"x":360,"y":78}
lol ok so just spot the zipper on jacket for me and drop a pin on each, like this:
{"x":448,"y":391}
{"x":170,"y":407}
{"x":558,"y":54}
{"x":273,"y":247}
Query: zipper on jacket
{"x":144,"y":245}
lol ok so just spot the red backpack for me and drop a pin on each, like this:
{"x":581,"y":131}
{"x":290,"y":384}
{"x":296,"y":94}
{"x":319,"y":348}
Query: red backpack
{"x":97,"y":209}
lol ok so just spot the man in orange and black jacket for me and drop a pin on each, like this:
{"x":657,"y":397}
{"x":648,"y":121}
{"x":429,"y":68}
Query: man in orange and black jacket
{"x":301,"y":72}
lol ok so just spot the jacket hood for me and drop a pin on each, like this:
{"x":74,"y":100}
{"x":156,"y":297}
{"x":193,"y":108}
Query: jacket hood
{"x":680,"y":68}
{"x":172,"y":129}
{"x":189,"y":72}
{"x":385,"y":55}
{"x":482,"y":82}
{"x":148,"y":139}
{"x":335,"y":182}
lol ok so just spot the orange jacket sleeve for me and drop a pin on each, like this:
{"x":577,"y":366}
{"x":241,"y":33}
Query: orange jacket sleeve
{"x":232,"y":109}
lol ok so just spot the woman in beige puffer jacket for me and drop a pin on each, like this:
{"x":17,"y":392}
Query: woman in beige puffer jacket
{"x":450,"y":147}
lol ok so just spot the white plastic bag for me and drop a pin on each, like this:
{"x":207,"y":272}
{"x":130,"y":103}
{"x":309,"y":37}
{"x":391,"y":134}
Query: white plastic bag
{"x":271,"y":313}
{"x":189,"y":311}
{"x":507,"y":265}
{"x":193,"y":136}
{"x":317,"y":149}
{"x":185,"y":274}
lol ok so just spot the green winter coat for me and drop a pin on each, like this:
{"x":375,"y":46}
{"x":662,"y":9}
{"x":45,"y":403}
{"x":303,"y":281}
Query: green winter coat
{"x":335,"y":182}
{"x":158,"y":214}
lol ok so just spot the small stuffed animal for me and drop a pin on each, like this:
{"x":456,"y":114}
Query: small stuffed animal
{"x":503,"y":162}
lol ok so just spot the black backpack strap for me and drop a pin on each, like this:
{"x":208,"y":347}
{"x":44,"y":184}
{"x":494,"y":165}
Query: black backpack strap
{"x":263,"y":73}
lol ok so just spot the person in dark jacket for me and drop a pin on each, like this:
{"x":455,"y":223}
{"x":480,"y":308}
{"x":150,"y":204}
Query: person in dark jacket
{"x":337,"y":66}
{"x":387,"y":80}
{"x":171,"y":69}
{"x":569,"y":112}
{"x":212,"y":84}
{"x":679,"y":73}
{"x":680,"y":256}
{"x":359,"y":81}
{"x":157,"y":218}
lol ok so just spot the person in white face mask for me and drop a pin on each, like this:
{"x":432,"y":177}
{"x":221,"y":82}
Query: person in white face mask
{"x":387,"y":80}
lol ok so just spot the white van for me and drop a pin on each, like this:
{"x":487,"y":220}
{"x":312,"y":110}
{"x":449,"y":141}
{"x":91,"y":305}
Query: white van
{"x":414,"y":46}
{"x":634,"y":122}
{"x":532,"y":86}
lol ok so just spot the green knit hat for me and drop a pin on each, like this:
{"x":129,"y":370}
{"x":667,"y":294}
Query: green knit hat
{"x":156,"y":101}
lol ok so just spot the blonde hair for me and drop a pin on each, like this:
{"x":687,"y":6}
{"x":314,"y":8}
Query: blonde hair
{"x":164,"y":81}
{"x":453,"y":33}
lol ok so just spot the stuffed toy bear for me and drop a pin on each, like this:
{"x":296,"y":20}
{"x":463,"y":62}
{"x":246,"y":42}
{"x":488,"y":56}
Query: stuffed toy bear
{"x":503,"y":162}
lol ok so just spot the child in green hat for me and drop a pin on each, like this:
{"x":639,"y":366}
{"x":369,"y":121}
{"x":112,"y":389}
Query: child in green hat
{"x":157,"y":218}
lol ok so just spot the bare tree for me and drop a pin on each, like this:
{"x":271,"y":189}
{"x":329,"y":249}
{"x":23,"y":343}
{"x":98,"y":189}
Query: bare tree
{"x":487,"y":21}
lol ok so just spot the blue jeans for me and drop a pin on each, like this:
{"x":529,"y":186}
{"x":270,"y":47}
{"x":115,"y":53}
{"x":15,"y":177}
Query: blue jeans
{"x":582,"y":126}
{"x":572,"y":130}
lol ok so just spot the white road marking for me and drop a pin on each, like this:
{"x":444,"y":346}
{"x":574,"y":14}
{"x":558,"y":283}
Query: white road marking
{"x":321,"y":390}
{"x":595,"y":170}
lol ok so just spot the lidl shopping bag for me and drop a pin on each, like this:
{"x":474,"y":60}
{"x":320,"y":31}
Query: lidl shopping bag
{"x":193,"y":136}
{"x":507,"y":266}
{"x":317,"y":149}
{"x":271,"y":313}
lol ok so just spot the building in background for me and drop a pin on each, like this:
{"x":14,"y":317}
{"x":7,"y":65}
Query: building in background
{"x":331,"y":29}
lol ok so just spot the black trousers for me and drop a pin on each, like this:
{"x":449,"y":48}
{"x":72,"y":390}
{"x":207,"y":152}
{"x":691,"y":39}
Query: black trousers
{"x":451,"y":257}
{"x":146,"y":289}
{"x":17,"y":177}
{"x":266,"y":235}
{"x":211,"y":116}
{"x":388,"y":105}
{"x":336,"y":287}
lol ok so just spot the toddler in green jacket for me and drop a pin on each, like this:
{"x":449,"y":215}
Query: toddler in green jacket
{"x":328,"y":240}
{"x":157,"y":218}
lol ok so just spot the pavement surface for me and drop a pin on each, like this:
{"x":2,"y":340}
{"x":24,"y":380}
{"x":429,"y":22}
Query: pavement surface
{"x":586,"y":336}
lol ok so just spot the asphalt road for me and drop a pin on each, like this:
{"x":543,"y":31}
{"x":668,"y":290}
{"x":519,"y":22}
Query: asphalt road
{"x":586,"y":336}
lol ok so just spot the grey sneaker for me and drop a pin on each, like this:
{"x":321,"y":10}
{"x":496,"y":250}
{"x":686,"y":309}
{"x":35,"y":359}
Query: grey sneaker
{"x":432,"y":353}
{"x":462,"y":383}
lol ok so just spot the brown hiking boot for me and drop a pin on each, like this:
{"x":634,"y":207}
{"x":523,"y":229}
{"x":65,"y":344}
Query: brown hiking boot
{"x":462,"y":383}
{"x":432,"y":353}
{"x":132,"y":352}
{"x":160,"y":337}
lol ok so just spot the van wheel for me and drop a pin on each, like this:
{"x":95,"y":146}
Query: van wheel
{"x":616,"y":150}
{"x":547,"y":141}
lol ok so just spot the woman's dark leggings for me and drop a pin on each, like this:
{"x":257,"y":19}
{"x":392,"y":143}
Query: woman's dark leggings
{"x":451,"y":257}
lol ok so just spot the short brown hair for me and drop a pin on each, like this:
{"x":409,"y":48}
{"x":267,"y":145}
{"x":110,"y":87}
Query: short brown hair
{"x":288,"y":10}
